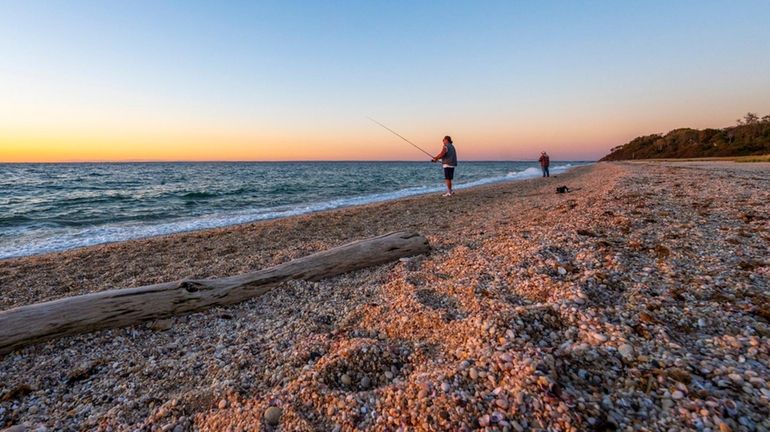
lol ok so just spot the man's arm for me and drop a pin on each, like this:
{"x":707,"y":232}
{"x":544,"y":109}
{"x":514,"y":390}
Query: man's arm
{"x":440,"y":155}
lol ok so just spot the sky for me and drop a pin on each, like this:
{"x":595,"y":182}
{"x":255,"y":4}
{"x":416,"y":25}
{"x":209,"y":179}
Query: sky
{"x":290,"y":80}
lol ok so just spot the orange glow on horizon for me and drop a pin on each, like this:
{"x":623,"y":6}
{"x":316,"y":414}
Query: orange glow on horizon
{"x":363,"y":143}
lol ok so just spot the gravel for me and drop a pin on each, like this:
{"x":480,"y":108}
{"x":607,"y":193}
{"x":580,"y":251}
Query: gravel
{"x":638,"y":301}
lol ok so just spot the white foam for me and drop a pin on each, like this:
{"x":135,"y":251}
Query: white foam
{"x":64,"y":239}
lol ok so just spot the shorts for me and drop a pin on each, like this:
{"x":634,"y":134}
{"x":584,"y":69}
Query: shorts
{"x":449,"y":173}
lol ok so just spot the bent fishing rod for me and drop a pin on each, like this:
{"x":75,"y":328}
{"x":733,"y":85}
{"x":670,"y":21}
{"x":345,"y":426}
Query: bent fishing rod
{"x":397,"y":134}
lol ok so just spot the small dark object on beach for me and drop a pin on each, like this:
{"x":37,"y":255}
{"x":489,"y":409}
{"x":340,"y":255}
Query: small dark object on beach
{"x":562,"y":189}
{"x":16,"y":393}
{"x":83,"y":372}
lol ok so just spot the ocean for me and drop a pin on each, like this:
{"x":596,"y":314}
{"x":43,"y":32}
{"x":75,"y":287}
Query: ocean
{"x":55,"y":207}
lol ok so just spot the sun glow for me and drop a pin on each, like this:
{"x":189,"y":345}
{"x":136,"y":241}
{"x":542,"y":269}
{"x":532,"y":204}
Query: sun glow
{"x":88,"y":82}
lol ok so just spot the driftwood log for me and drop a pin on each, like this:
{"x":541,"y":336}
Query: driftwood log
{"x":122,"y":307}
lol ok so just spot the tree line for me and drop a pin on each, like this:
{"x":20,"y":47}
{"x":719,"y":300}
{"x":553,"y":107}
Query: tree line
{"x":750,"y":136}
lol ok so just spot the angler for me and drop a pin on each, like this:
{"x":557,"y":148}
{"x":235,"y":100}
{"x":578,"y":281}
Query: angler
{"x":448,"y":157}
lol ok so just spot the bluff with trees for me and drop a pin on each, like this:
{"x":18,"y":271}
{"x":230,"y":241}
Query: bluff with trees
{"x":750,"y":136}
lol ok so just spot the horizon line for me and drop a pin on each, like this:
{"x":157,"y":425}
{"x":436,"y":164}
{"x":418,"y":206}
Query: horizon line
{"x":274,"y":161}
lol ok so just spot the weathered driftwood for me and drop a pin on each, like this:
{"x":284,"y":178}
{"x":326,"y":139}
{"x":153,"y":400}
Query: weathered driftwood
{"x":122,"y":307}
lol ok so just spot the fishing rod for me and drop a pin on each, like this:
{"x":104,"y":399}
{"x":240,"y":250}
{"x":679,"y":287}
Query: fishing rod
{"x":397,"y":134}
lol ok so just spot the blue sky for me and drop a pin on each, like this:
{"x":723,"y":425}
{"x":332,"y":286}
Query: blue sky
{"x":259,"y":77}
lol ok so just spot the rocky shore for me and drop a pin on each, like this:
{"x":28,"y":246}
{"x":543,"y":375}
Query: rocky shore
{"x":638,"y":301}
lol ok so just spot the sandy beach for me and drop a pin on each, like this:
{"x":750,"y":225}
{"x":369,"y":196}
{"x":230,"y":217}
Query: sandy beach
{"x":638,"y":301}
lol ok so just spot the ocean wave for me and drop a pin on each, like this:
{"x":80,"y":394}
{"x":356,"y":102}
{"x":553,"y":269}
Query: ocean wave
{"x":14,"y":220}
{"x":197,"y":195}
{"x":61,"y":239}
{"x":527,"y":173}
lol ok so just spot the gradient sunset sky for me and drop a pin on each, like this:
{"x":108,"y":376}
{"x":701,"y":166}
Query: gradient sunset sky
{"x":290,"y":80}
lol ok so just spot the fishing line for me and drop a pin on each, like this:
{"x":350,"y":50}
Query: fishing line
{"x":397,"y":134}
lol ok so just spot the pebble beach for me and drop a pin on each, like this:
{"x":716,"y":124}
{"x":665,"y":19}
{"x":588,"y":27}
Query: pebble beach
{"x":640,"y":300}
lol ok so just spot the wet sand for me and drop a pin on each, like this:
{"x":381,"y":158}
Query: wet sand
{"x":638,"y":300}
